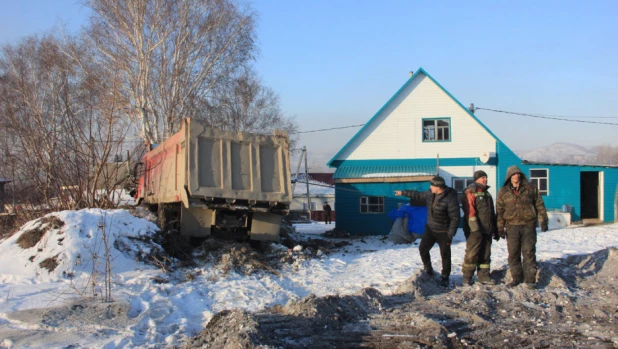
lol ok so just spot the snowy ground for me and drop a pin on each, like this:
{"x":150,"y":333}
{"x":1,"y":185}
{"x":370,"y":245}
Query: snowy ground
{"x":45,"y":309}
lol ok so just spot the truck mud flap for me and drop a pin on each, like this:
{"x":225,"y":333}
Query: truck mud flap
{"x":196,"y":221}
{"x":265,"y":226}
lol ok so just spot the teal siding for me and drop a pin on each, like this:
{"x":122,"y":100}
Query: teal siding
{"x":565,"y":187}
{"x":347,"y":206}
{"x":505,"y":157}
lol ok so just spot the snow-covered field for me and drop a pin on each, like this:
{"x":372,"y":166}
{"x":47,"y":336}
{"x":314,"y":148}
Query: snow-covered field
{"x":162,"y":314}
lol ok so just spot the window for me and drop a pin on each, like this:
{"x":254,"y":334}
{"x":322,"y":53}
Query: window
{"x":313,"y":206}
{"x":436,"y":130}
{"x":540,"y":179}
{"x":460,"y":184}
{"x":372,"y":204}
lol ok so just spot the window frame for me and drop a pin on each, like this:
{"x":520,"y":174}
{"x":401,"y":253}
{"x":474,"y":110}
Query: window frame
{"x":537,"y":179}
{"x":436,"y":127}
{"x":466,"y":184}
{"x":314,"y":206}
{"x":380,"y":204}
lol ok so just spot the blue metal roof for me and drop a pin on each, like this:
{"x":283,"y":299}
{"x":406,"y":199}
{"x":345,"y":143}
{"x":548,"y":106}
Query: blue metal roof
{"x":383,"y":171}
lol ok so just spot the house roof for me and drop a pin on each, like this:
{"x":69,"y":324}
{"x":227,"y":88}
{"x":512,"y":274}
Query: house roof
{"x":418,"y":72}
{"x":535,"y":163}
{"x":383,"y":171}
{"x":323,"y":177}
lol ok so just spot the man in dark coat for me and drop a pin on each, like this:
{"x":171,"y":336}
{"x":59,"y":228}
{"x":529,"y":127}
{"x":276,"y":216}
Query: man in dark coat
{"x":519,"y":207}
{"x":442,"y":221}
{"x":327,"y":210}
{"x":479,"y":226}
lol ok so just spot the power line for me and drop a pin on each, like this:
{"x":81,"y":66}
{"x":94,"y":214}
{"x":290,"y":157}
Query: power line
{"x":327,"y":129}
{"x":563,"y":118}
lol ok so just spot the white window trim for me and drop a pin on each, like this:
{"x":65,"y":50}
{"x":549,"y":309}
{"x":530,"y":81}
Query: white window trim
{"x":360,"y":204}
{"x":436,"y":128}
{"x":538,"y":186}
{"x":466,"y":184}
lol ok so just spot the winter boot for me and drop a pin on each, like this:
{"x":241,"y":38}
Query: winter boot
{"x":486,"y":280}
{"x":467,"y":280}
{"x":530,"y":285}
{"x":513,"y":283}
{"x":444,"y":281}
{"x":428,"y":269}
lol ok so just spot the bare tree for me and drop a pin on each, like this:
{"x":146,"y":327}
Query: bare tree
{"x":170,"y":54}
{"x":606,"y":155}
{"x":62,"y":122}
{"x":245,"y":104}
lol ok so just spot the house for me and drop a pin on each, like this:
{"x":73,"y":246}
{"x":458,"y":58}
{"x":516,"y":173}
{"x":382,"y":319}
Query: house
{"x":422,"y":131}
{"x":321,"y":189}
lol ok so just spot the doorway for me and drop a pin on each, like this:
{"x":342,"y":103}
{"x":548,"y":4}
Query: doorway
{"x":589,"y":195}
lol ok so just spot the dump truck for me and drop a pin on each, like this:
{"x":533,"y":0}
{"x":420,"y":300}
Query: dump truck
{"x":205,"y":181}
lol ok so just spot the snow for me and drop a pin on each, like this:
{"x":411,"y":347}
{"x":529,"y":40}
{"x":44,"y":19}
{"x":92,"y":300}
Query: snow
{"x":315,"y":188}
{"x":561,"y":153}
{"x":164,"y":314}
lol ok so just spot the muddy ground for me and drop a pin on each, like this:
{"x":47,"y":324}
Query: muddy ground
{"x":575,"y":306}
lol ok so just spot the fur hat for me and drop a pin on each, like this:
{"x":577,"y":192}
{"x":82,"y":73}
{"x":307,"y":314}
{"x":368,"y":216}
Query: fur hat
{"x":478,"y":174}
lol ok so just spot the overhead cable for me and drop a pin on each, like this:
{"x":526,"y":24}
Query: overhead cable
{"x":550,"y":117}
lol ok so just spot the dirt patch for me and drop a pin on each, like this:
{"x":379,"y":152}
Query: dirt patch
{"x":239,"y":257}
{"x":30,"y":238}
{"x":52,"y":222}
{"x":573,"y":307}
{"x":50,"y":263}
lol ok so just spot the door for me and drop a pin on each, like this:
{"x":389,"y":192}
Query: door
{"x":589,"y":194}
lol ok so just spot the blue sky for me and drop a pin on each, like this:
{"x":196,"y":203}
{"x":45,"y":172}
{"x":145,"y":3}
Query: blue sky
{"x":335,"y":63}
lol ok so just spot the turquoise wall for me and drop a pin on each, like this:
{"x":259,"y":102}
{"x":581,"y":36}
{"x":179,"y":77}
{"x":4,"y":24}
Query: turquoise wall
{"x":565,"y":186}
{"x":347,"y":206}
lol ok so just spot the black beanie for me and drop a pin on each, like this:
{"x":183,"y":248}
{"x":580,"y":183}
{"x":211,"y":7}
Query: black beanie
{"x":478,"y":174}
{"x":438,"y":181}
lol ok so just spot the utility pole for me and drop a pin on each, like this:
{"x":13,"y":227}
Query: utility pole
{"x":300,"y":161}
{"x":307,"y":181}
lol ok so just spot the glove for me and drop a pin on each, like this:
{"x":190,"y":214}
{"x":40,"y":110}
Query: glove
{"x":544,"y":227}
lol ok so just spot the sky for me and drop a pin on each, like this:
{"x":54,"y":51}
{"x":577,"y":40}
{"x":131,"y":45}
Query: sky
{"x":156,"y":313}
{"x":336,"y":63}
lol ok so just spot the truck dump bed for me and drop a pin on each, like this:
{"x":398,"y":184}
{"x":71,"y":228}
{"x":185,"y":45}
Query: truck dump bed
{"x":237,"y":165}
{"x":206,"y":163}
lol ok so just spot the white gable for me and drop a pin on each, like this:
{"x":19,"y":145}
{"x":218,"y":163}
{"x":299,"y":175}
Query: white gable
{"x":396,"y":133}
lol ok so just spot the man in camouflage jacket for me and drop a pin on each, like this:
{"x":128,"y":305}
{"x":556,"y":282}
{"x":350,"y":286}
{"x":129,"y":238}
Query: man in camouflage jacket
{"x":519,"y":207}
{"x":479,"y":226}
{"x":442,"y":220}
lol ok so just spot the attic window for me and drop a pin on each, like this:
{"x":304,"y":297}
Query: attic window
{"x":436,"y":130}
{"x":540,"y":179}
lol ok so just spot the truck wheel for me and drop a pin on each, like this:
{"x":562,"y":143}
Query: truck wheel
{"x":168,"y":217}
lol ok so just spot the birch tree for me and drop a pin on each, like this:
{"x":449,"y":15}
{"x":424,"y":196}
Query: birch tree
{"x":246,"y":104}
{"x":170,"y":54}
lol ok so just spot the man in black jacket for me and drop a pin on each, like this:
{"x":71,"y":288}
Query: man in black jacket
{"x":442,"y":220}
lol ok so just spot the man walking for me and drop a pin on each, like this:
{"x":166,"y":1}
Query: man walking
{"x":519,"y":207}
{"x":442,"y":221}
{"x":327,"y":210}
{"x":479,"y":226}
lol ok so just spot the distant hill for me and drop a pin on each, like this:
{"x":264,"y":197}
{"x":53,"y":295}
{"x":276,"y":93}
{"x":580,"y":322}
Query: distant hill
{"x":564,"y":153}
